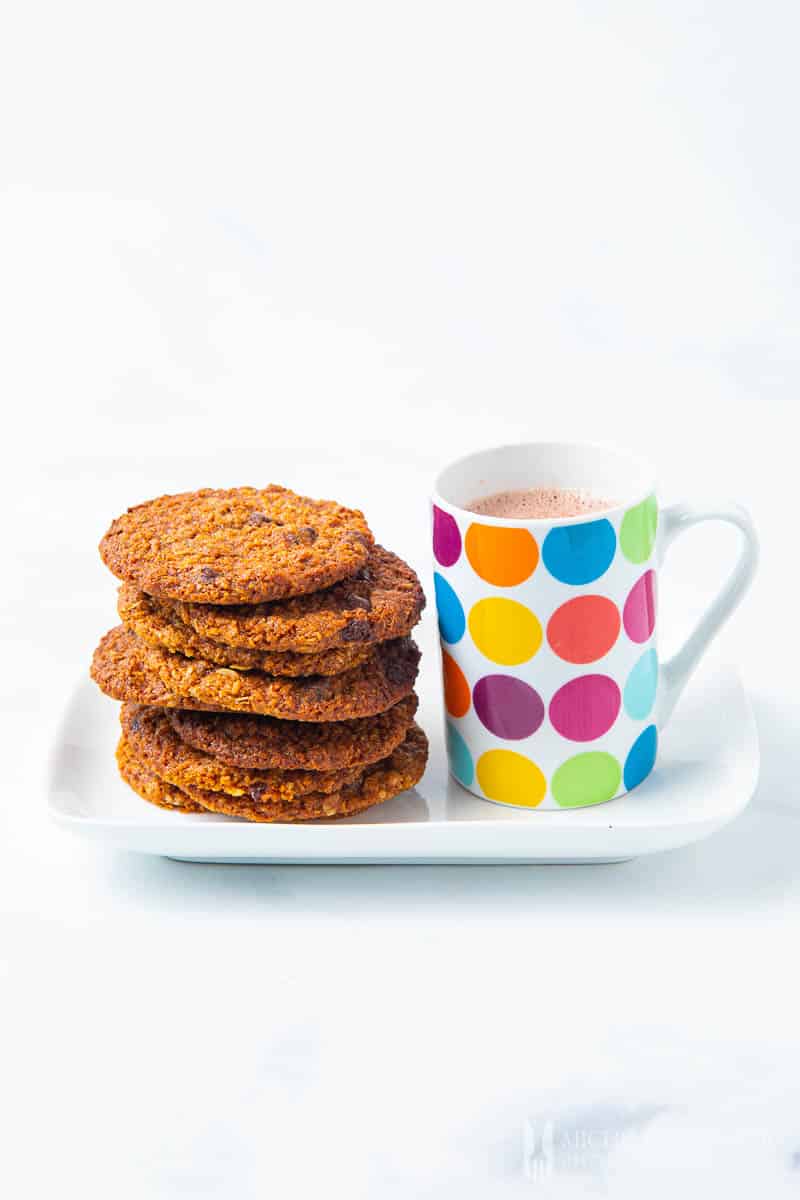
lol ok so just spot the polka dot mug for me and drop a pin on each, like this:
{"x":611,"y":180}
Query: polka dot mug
{"x":553,"y":690}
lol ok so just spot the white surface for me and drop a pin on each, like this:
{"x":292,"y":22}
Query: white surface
{"x":706,"y":774}
{"x":296,"y":242}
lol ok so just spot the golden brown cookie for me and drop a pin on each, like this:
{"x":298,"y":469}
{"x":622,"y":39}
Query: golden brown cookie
{"x":236,"y":546}
{"x":389,"y":777}
{"x":259,"y":743}
{"x":160,"y":626}
{"x":155,"y":743}
{"x":147,"y":785}
{"x":126,"y":668}
{"x":383,"y":600}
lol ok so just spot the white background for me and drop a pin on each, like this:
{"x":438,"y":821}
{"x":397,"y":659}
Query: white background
{"x":334,"y":245}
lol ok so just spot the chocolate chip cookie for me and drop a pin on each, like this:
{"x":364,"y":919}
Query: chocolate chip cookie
{"x":147,"y":784}
{"x":158,"y":625}
{"x":382,"y":600}
{"x":126,"y":668}
{"x":259,"y":743}
{"x":379,"y":782}
{"x":155,"y":743}
{"x":236,"y":546}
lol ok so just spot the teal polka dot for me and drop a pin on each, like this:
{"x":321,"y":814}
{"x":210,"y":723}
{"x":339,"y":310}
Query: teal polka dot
{"x":461,"y":763}
{"x":452,"y":622}
{"x":641,"y":686}
{"x":641,"y":758}
{"x":581,"y":553}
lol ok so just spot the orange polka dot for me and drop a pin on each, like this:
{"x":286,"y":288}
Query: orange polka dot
{"x":456,"y":688}
{"x":500,"y":555}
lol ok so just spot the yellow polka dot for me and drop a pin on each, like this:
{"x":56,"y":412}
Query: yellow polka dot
{"x":504,"y":630}
{"x":511,"y":778}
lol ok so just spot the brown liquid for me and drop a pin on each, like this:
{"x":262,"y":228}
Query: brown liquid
{"x":540,"y":502}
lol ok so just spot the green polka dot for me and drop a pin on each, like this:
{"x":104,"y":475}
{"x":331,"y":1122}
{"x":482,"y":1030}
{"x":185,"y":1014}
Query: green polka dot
{"x":637,"y":535}
{"x":587,"y":778}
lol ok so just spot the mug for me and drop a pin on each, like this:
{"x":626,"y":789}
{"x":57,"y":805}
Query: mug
{"x":553,"y":690}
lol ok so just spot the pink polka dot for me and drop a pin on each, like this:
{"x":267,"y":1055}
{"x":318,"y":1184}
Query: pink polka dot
{"x":639,"y":614}
{"x":585,"y":708}
{"x":446,"y":538}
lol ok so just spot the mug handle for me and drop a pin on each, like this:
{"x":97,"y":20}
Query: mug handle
{"x":674,"y":520}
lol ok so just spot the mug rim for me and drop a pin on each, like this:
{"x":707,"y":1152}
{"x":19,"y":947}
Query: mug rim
{"x":641,"y":495}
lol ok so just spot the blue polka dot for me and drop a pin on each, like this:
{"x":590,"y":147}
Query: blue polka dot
{"x":641,"y":757}
{"x":451,"y":615}
{"x":640,"y":689}
{"x":461,"y":763}
{"x":580,"y":553}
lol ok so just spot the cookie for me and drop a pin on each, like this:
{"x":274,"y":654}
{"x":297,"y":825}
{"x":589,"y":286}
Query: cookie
{"x":126,"y":668}
{"x":147,"y":785}
{"x":236,"y":546}
{"x":155,"y":743}
{"x":389,"y":777}
{"x":381,"y":601}
{"x":160,"y":626}
{"x":260,"y":743}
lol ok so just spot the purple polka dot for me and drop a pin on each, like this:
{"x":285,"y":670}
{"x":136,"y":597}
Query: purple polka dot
{"x":639,"y":614}
{"x":507,"y":707}
{"x":585,"y":708}
{"x":446,"y":538}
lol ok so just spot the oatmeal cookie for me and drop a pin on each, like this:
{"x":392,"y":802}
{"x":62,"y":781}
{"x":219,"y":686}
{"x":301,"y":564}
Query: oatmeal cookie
{"x":236,"y":546}
{"x":147,"y":784}
{"x":126,"y":668}
{"x":155,"y":743}
{"x":401,"y":770}
{"x":160,"y":626}
{"x":260,"y":743}
{"x":382,"y":600}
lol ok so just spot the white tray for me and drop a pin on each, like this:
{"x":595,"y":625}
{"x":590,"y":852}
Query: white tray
{"x":706,"y":774}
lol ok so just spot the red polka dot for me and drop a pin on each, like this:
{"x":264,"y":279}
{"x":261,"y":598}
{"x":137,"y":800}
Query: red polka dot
{"x":584,"y":629}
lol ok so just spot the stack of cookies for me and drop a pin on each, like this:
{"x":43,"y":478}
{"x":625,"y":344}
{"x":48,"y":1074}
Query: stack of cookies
{"x":264,"y":661}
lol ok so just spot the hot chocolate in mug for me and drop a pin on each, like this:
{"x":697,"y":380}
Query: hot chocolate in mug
{"x":553,"y":689}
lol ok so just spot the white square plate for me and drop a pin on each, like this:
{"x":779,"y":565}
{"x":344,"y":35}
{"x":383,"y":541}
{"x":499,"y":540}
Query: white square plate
{"x":706,"y":774}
